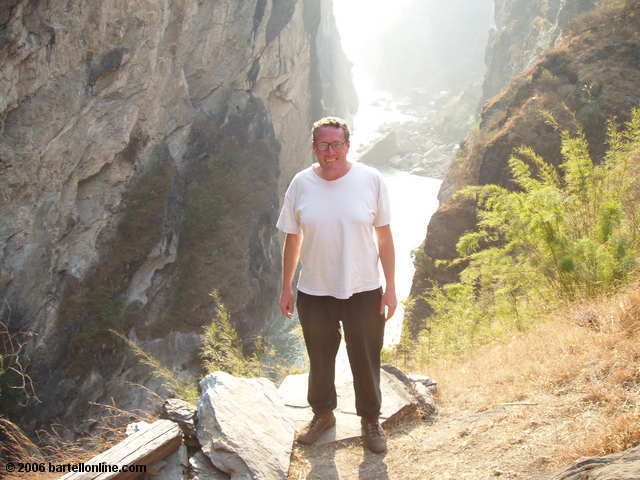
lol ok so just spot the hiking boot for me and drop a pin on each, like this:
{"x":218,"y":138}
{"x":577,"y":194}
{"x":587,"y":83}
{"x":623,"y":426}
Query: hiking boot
{"x":373,"y":436}
{"x":316,"y":427}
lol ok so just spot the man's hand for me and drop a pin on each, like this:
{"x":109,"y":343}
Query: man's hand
{"x":389,"y":301}
{"x":286,"y":302}
{"x":290,"y":255}
{"x":388,"y":260}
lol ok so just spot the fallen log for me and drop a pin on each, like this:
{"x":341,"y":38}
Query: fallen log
{"x":141,"y":450}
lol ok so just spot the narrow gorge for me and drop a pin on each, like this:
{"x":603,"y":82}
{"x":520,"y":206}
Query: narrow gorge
{"x":144,"y":149}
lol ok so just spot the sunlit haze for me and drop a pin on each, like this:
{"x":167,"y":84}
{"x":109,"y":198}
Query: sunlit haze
{"x":360,"y":20}
{"x":413,"y":198}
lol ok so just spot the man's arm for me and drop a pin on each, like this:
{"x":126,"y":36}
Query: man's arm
{"x":388,"y":260}
{"x":290,"y":256}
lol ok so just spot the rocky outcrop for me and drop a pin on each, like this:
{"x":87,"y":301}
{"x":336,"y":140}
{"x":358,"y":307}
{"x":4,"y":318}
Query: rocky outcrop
{"x":619,"y":466}
{"x":144,"y":147}
{"x":523,"y":30}
{"x":243,"y":427}
{"x":594,"y":71}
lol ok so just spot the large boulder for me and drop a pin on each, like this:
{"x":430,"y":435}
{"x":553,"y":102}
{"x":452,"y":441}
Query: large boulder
{"x":243,"y":427}
{"x":382,"y":150}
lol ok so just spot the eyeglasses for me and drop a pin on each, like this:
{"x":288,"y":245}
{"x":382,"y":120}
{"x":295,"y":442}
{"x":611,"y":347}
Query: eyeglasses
{"x":335,"y":146}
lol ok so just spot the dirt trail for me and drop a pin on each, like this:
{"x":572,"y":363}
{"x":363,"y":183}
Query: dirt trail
{"x":509,"y":441}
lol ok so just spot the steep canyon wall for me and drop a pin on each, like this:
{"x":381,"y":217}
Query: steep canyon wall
{"x":144,"y":148}
{"x":586,"y":61}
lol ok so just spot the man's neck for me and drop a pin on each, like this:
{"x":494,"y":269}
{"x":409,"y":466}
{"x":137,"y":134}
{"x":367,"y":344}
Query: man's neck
{"x":330,"y":174}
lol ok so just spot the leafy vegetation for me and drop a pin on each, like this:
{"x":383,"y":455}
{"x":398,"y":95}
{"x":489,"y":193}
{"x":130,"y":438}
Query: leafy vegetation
{"x":185,"y":390}
{"x":221,"y":351}
{"x":567,"y":233}
{"x":222,"y":348}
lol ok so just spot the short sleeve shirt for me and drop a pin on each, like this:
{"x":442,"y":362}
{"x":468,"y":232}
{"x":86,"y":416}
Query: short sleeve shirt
{"x":339,"y":256}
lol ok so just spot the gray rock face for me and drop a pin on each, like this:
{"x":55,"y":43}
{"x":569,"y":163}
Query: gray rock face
{"x":523,"y":30}
{"x":144,"y":147}
{"x":330,"y":70}
{"x":202,"y":468}
{"x":173,"y":467}
{"x":243,"y":427}
{"x":183,"y":413}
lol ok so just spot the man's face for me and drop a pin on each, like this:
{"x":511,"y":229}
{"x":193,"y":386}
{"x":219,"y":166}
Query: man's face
{"x":331,"y":150}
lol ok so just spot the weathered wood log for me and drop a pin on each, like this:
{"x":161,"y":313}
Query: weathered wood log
{"x":158,"y":441}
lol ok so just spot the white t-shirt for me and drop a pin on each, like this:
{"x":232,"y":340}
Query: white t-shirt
{"x":337,"y":219}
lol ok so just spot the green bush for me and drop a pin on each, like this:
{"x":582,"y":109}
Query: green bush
{"x":221,"y":347}
{"x":565,"y":234}
{"x":275,"y":355}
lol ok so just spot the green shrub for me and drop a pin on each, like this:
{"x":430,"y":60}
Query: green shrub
{"x":275,"y":355}
{"x":567,"y":233}
{"x":221,"y":347}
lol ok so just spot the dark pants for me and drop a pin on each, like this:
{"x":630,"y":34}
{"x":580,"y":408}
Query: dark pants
{"x":363,"y":327}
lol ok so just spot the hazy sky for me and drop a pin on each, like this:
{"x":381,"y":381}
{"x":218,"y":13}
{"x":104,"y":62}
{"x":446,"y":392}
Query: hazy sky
{"x":360,"y":20}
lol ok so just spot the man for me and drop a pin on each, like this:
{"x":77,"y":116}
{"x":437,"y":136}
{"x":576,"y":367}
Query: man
{"x":329,"y":215}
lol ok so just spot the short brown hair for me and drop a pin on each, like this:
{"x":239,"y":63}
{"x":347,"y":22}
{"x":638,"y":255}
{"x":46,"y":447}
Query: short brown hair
{"x":335,"y":122}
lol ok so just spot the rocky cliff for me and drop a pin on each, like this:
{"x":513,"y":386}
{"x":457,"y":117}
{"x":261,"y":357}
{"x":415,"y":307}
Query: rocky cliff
{"x":523,"y":30}
{"x":144,"y":147}
{"x":594,"y":70}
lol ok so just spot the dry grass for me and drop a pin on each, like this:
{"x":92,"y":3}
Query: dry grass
{"x":52,"y":447}
{"x":570,"y":387}
{"x":588,"y":353}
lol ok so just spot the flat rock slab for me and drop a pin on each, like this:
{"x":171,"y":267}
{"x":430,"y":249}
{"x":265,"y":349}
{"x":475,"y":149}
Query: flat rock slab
{"x":397,"y":401}
{"x":243,"y":427}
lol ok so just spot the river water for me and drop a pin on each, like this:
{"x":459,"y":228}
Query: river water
{"x":413,"y":201}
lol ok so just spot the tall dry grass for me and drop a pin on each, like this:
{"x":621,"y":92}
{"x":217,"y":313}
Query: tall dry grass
{"x":583,"y":363}
{"x":52,"y":446}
